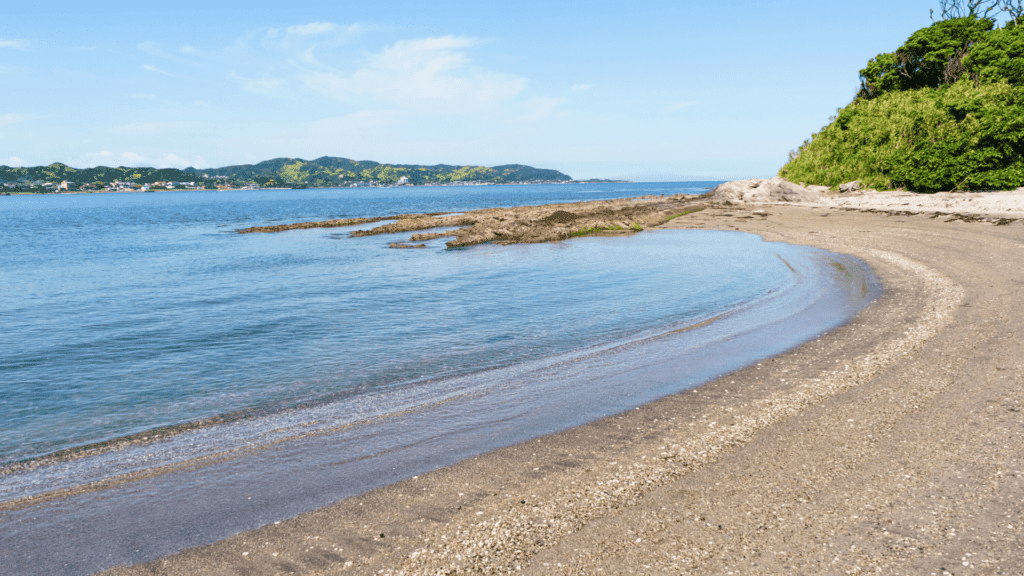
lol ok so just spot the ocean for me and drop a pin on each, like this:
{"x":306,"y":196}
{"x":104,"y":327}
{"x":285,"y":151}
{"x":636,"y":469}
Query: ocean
{"x":326,"y":365}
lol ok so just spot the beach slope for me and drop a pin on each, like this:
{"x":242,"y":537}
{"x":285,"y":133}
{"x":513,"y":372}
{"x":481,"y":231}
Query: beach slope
{"x":892,"y":445}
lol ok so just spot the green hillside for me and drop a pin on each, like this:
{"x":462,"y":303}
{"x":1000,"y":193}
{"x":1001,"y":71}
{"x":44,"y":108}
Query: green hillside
{"x":283,"y":172}
{"x":329,"y":171}
{"x":945,"y":111}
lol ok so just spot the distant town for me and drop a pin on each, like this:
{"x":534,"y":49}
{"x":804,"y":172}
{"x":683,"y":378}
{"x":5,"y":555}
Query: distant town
{"x":279,"y":173}
{"x":66,"y":186}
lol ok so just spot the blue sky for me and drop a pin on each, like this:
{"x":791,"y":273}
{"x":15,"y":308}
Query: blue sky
{"x":642,"y":89}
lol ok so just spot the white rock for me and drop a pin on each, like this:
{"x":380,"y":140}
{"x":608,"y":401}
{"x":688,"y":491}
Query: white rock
{"x":771,"y":190}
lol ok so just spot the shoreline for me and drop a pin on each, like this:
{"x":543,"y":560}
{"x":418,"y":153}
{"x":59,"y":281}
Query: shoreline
{"x":446,"y":184}
{"x":815,"y":437}
{"x":485,"y":226}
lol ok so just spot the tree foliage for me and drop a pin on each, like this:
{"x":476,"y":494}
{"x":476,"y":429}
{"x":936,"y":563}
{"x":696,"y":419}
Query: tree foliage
{"x":928,"y":59}
{"x":944,"y":111}
{"x":957,"y":137}
{"x":997,"y":56}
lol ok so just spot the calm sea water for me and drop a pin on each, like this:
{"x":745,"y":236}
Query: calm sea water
{"x":125,"y":312}
{"x":359,"y":364}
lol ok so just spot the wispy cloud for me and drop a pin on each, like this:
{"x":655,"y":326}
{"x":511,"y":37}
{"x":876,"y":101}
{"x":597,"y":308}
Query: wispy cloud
{"x":429,"y":74}
{"x":193,"y":51}
{"x":320,"y":32}
{"x":15,"y":161}
{"x":8,"y":119}
{"x":152,"y":68}
{"x":19,"y":44}
{"x":154,"y":49}
{"x":679,"y":105}
{"x":581,"y":87}
{"x":257,"y":85}
{"x":172,"y":160}
{"x":166,"y":160}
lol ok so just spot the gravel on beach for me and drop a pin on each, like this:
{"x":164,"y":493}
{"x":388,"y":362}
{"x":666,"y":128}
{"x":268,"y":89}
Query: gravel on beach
{"x":891,"y":445}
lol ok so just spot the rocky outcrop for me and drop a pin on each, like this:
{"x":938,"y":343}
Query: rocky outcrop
{"x":522,"y":224}
{"x":771,"y":190}
{"x":849,"y":187}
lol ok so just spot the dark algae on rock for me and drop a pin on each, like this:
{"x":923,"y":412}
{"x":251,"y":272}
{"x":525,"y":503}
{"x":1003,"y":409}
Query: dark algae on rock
{"x":521,"y":224}
{"x":945,"y":111}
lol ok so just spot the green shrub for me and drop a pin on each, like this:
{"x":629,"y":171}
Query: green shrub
{"x":943,"y":112}
{"x":998,"y":56}
{"x":925,"y":58}
{"x":963,"y":137}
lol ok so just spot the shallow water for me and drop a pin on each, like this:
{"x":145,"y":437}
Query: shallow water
{"x":125,"y":312}
{"x":402,"y":360}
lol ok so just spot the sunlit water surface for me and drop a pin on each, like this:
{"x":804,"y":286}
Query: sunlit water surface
{"x":360,"y":364}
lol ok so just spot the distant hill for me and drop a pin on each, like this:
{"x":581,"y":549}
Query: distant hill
{"x":326,"y":171}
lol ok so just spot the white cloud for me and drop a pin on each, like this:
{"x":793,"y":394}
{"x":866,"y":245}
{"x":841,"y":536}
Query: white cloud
{"x":15,"y":161}
{"x":679,"y":105}
{"x":303,"y":34}
{"x":152,"y":68}
{"x":257,"y":85}
{"x":19,"y":44}
{"x":581,"y":87}
{"x":173,"y":161}
{"x":165,"y":160}
{"x":8,"y":119}
{"x":432,"y":73}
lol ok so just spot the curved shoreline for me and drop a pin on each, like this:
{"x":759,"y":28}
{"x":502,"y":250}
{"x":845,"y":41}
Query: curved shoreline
{"x":904,"y":462}
{"x":123,"y":483}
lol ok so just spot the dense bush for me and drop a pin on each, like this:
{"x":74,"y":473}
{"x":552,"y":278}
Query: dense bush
{"x":925,"y":59}
{"x":944,"y":112}
{"x":999,"y":55}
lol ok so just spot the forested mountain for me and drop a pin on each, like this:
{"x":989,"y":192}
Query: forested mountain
{"x":328,"y":170}
{"x":284,"y":172}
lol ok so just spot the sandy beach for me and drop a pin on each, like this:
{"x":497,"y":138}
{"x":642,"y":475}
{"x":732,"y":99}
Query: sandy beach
{"x":892,"y":445}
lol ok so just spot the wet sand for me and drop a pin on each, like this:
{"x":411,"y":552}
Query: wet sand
{"x":892,"y":445}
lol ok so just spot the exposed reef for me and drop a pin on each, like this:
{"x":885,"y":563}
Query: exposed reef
{"x":523,"y":224}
